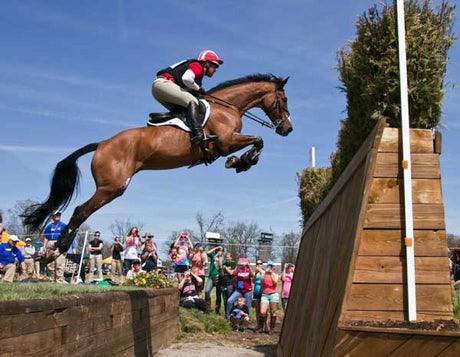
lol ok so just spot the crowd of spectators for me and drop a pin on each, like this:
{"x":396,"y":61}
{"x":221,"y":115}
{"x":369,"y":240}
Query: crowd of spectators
{"x":238,"y":286}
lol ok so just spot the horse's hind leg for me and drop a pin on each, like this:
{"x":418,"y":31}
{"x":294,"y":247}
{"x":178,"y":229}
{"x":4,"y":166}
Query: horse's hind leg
{"x":101,"y":197}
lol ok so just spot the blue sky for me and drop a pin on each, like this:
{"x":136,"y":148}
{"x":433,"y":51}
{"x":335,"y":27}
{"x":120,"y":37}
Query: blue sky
{"x":72,"y":73}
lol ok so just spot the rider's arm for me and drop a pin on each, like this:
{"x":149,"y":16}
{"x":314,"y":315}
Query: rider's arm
{"x":190,"y":74}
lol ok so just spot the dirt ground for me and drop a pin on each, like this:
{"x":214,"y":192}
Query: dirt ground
{"x":234,"y":344}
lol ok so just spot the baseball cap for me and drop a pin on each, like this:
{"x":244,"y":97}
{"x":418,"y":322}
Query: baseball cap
{"x":14,"y":238}
{"x":270,"y":263}
{"x":28,"y":240}
{"x":57,"y":213}
{"x":198,"y":245}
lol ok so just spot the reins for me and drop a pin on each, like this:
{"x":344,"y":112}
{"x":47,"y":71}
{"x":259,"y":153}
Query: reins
{"x":246,"y":114}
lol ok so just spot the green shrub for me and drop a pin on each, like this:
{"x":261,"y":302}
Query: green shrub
{"x":369,"y":75}
{"x":369,"y":72}
{"x":313,"y":187}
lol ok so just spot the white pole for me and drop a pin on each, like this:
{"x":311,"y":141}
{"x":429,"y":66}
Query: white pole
{"x":312,"y":156}
{"x":81,"y":258}
{"x":406,"y":164}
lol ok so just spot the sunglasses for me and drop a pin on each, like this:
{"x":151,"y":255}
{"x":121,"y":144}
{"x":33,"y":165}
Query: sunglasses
{"x":97,"y":235}
{"x":259,"y":263}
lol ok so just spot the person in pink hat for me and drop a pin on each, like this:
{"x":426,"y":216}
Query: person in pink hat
{"x":243,"y":285}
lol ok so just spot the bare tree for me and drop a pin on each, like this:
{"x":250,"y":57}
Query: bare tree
{"x":120,"y":228}
{"x":290,"y":247}
{"x":13,"y":221}
{"x":213,"y":224}
{"x":241,"y":239}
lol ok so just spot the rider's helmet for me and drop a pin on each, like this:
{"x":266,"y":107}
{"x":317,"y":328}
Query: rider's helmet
{"x":208,"y":55}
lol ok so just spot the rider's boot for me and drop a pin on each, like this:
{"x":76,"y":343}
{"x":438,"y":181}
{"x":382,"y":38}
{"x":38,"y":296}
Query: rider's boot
{"x":192,"y":122}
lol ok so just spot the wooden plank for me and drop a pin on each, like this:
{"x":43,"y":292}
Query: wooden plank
{"x":452,"y":351}
{"x":391,"y":243}
{"x":423,"y":346}
{"x":354,"y":315}
{"x":423,"y":166}
{"x":391,"y":216}
{"x":390,"y":190}
{"x":392,"y":270}
{"x":370,"y":344}
{"x":392,"y":297}
{"x":421,"y":141}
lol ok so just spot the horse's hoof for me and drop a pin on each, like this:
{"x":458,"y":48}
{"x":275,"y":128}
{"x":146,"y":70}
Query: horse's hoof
{"x":231,"y":162}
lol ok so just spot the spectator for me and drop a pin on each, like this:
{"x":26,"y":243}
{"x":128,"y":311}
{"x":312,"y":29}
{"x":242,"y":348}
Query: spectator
{"x":115,"y":266}
{"x":149,"y":254}
{"x":215,"y":259}
{"x":188,"y":292}
{"x":227,"y":282}
{"x":270,"y":296}
{"x":183,"y":247}
{"x":29,"y":255}
{"x":239,"y":315}
{"x":72,"y":249}
{"x":198,"y":261}
{"x":456,"y":266}
{"x":257,"y":294}
{"x":135,"y":269}
{"x":286,"y":278}
{"x":10,"y":255}
{"x":132,"y":242}
{"x":38,"y":265}
{"x":95,"y":256}
{"x":243,"y":285}
{"x":52,"y":233}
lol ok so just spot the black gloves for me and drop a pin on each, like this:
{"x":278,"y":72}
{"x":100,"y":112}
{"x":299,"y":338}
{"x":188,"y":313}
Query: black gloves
{"x":201,"y":91}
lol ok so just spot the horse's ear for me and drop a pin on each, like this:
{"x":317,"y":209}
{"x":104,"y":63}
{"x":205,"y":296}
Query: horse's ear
{"x":285,"y":81}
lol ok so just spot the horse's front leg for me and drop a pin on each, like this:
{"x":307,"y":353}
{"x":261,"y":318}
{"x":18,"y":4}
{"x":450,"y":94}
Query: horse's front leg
{"x":250,"y":157}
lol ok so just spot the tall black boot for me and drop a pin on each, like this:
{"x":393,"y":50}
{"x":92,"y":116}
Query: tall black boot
{"x":192,"y":122}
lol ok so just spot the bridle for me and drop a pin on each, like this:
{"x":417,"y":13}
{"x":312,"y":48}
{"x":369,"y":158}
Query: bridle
{"x":276,"y":105}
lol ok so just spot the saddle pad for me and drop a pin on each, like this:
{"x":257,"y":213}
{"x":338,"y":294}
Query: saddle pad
{"x":177,"y":122}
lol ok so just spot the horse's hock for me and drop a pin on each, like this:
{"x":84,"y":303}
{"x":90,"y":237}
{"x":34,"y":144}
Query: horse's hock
{"x":125,"y":323}
{"x":351,"y":262}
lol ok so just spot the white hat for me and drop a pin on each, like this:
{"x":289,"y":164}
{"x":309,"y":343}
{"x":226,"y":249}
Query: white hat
{"x":13,"y":238}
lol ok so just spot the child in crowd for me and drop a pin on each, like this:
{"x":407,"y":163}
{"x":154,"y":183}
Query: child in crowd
{"x":286,"y":278}
{"x":239,"y":315}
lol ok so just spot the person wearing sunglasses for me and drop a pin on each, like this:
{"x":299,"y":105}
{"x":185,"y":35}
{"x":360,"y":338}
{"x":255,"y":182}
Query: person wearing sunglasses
{"x":95,"y":256}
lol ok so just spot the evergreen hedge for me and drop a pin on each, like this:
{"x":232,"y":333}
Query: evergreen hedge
{"x":369,"y":75}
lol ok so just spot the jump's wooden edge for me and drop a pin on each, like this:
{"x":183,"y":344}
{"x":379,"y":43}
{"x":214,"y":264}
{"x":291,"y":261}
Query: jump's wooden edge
{"x":399,"y":331}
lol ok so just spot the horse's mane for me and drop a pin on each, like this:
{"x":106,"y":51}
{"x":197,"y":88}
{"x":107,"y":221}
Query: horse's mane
{"x":258,"y":77}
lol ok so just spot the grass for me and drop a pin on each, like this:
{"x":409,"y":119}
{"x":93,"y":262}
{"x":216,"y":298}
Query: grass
{"x":25,"y":291}
{"x":193,"y":321}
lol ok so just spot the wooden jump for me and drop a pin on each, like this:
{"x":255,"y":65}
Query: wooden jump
{"x":351,"y":262}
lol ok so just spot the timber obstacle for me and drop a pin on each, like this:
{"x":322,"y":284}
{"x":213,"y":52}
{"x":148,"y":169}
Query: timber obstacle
{"x":120,"y":323}
{"x":351,"y":261}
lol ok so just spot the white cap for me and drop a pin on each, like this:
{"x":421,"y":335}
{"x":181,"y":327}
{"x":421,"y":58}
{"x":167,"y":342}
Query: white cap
{"x":13,"y":238}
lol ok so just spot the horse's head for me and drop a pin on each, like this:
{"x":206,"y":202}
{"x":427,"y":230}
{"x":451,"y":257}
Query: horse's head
{"x":275,"y":106}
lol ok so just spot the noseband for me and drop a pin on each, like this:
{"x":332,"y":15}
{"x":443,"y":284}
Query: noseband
{"x":276,"y":105}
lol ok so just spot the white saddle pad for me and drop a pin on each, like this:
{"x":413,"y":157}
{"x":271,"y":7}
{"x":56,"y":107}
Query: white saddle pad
{"x":177,"y":122}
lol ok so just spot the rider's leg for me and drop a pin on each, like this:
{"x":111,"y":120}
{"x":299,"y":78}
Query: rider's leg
{"x":192,"y":122}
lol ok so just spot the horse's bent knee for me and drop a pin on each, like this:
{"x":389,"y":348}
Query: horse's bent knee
{"x":259,"y":144}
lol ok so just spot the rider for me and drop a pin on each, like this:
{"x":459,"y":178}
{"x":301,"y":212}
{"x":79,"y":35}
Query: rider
{"x":180,"y":83}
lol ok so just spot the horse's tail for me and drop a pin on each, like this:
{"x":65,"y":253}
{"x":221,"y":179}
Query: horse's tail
{"x":63,"y":184}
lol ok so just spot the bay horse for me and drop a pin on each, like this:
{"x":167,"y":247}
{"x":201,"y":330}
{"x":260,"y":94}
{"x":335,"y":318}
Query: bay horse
{"x":118,"y":158}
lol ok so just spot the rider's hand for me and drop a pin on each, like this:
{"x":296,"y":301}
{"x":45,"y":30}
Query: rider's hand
{"x":202,"y":91}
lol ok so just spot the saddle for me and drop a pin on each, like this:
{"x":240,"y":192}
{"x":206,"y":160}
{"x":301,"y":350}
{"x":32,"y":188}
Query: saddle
{"x":177,"y":113}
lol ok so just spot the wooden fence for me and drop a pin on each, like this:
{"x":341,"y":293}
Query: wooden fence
{"x":351,"y":262}
{"x":128,"y":323}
